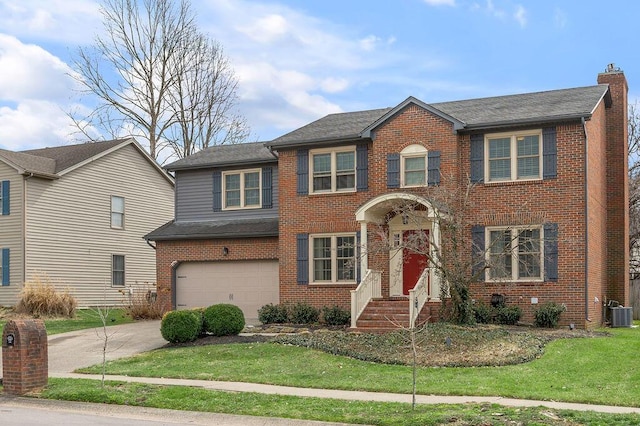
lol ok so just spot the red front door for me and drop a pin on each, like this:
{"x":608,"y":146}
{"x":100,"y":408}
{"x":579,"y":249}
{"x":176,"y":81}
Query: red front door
{"x":414,"y":257}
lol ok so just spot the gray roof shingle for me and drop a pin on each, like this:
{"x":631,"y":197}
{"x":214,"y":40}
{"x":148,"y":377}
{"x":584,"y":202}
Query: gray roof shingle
{"x":67,"y":156}
{"x":240,"y":228}
{"x":30,"y":163}
{"x":226,"y":155}
{"x":538,"y":107}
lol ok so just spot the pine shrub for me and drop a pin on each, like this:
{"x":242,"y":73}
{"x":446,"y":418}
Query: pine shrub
{"x":223,"y":320}
{"x":335,"y":316}
{"x":548,"y":315}
{"x":273,"y":314}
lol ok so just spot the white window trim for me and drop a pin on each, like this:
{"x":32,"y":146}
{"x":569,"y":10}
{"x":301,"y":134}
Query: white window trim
{"x":515,"y":272}
{"x":513,"y":155}
{"x":334,"y":178}
{"x":334,"y":258}
{"x":113,"y":226}
{"x":242,"y":173}
{"x":414,"y":151}
{"x":124,"y":271}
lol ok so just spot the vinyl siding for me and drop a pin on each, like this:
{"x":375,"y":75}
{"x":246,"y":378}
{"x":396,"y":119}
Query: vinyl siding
{"x":194,"y":197}
{"x":11,"y":235}
{"x":69,"y":234}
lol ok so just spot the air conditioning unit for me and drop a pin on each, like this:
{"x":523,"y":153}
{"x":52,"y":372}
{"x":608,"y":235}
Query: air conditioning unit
{"x":621,"y":316}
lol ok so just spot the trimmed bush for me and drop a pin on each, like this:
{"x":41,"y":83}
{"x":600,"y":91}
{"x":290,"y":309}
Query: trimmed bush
{"x":336,"y":316}
{"x":39,"y":297}
{"x":508,"y":315}
{"x":273,"y":314}
{"x":548,"y":315}
{"x":301,"y":313}
{"x":223,"y":320}
{"x":181,"y":326}
{"x":483,"y":313}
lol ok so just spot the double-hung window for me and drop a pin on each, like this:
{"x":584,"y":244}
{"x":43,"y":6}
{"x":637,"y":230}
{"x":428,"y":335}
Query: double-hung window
{"x":333,"y":258}
{"x":333,"y":170}
{"x":242,"y":189}
{"x":117,"y":270}
{"x":513,"y":157}
{"x":515,"y":254}
{"x":117,"y":212}
{"x":414,"y":166}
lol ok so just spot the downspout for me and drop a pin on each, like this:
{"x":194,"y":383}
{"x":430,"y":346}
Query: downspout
{"x":174,"y":270}
{"x":586,"y":221}
{"x":150,"y":245}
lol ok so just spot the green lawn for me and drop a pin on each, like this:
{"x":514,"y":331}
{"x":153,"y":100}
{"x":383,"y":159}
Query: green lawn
{"x":588,"y":370}
{"x":85,"y":318}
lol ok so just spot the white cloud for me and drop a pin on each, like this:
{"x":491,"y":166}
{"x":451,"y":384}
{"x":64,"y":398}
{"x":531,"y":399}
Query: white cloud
{"x":440,"y":2}
{"x":334,"y":85}
{"x":29,"y":71}
{"x":62,"y":20}
{"x":521,"y":16}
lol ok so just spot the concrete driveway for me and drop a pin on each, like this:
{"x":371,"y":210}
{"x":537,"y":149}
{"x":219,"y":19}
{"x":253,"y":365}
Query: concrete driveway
{"x":82,"y":348}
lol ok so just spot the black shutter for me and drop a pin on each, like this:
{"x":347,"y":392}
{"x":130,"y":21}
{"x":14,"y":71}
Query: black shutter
{"x":477,"y":158}
{"x":433,"y":168}
{"x":302,"y":258}
{"x":217,"y":191}
{"x":362,"y":167}
{"x":477,"y":252}
{"x":549,"y":153}
{"x":393,"y":170}
{"x":551,"y":252}
{"x":5,"y":197}
{"x":267,"y":187}
{"x":303,"y":171}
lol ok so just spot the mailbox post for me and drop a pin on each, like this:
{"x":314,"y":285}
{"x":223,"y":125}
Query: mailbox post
{"x":25,"y":363}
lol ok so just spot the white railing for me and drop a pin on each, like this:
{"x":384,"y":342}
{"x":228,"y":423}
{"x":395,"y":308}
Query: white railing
{"x":369,"y":288}
{"x":418,"y":297}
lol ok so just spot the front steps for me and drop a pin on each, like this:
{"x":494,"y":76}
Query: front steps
{"x":387,"y":315}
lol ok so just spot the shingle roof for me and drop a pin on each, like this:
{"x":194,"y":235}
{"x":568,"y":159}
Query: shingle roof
{"x":538,"y":107}
{"x":225,"y":155}
{"x":66,"y":156}
{"x":240,"y":228}
{"x":29,"y":163}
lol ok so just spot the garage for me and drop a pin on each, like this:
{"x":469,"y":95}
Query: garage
{"x":246,"y":284}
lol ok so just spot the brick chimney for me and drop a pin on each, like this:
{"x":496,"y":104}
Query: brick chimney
{"x":617,"y":185}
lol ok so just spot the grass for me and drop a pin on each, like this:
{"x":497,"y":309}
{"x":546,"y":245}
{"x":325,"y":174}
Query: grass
{"x":85,"y":318}
{"x":590,"y":370}
{"x":328,"y":410}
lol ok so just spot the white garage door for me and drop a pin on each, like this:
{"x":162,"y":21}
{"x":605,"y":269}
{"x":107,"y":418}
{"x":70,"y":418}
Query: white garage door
{"x":246,"y":284}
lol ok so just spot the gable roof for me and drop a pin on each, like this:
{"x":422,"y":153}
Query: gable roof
{"x":472,"y":114}
{"x":226,"y":155}
{"x":52,"y":163}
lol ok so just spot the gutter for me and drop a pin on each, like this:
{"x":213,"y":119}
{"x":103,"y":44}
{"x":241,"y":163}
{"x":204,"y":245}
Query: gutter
{"x":586,"y":221}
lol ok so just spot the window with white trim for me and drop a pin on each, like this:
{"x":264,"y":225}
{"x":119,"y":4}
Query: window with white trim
{"x":511,"y":157}
{"x":332,"y":170}
{"x":413,"y":164}
{"x":333,"y":258}
{"x":242,"y":189}
{"x":117,"y":212}
{"x":515,"y":254}
{"x":117,"y":270}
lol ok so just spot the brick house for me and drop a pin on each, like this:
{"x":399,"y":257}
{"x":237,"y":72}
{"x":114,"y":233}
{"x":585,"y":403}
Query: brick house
{"x":546,"y":175}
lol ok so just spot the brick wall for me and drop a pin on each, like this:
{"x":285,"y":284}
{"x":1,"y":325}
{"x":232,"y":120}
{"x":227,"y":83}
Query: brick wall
{"x":175,"y":252}
{"x":25,"y":364}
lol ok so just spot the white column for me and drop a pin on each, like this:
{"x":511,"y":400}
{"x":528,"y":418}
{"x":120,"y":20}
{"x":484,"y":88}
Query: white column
{"x":364,"y":255}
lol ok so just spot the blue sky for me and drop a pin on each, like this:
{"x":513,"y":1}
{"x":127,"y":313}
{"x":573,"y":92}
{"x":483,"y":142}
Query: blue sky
{"x":300,"y":60}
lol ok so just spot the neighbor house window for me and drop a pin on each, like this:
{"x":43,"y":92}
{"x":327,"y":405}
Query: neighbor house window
{"x":513,"y":156}
{"x":333,"y":170}
{"x":414,"y":165}
{"x":117,"y":212}
{"x":117,"y":270}
{"x":515,"y":254}
{"x":241,"y":189}
{"x":333,"y":258}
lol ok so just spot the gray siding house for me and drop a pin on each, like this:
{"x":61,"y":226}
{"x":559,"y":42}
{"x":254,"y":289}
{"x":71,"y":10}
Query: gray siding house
{"x":78,"y":214}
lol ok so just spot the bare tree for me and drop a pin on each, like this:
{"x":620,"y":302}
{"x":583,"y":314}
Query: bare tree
{"x":634,"y":187}
{"x":155,"y":77}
